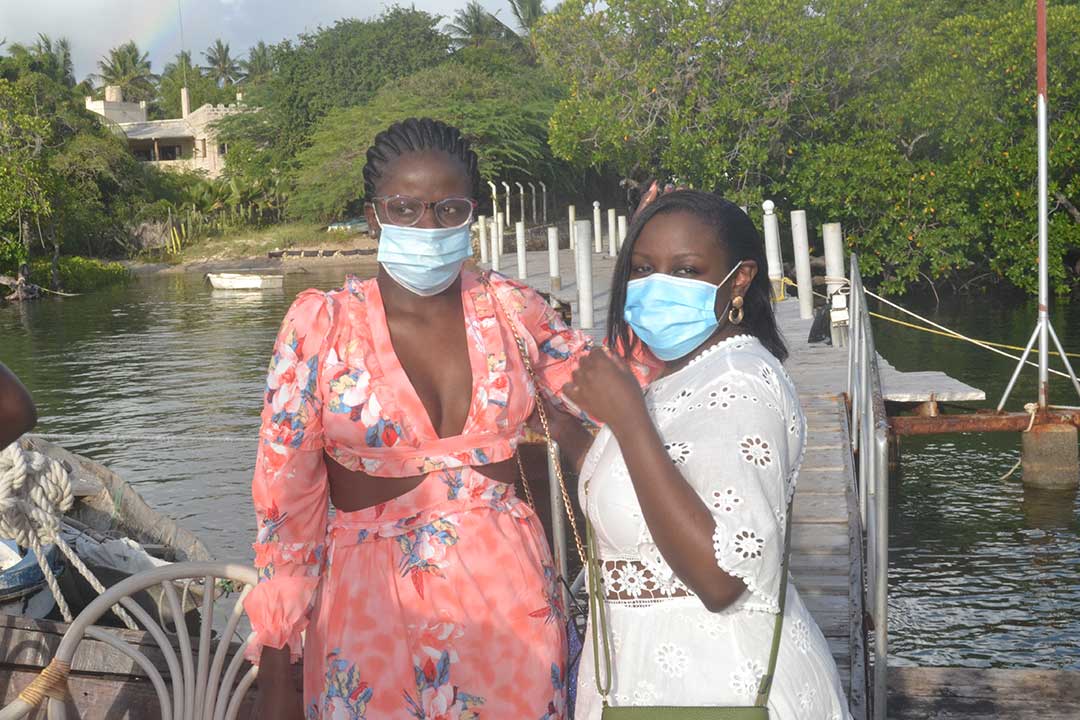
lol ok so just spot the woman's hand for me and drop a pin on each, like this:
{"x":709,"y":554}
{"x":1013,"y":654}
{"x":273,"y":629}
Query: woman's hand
{"x":604,"y":387}
{"x":280,"y":693}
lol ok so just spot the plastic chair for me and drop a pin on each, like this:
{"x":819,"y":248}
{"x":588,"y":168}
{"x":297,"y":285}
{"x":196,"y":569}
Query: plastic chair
{"x":202,"y":687}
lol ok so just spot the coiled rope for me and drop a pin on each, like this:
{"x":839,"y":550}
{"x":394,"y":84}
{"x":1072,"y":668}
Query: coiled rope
{"x":35,"y":493}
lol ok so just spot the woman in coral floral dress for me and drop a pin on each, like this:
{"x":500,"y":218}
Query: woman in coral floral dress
{"x":430,"y":592}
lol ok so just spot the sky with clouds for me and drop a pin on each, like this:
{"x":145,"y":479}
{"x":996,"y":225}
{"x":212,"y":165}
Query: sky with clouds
{"x":94,"y":26}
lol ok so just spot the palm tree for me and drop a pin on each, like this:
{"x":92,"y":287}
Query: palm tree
{"x":58,"y":53}
{"x":473,"y":25}
{"x":220,"y":64}
{"x":527,"y":12}
{"x":129,"y":68}
{"x":259,"y":63}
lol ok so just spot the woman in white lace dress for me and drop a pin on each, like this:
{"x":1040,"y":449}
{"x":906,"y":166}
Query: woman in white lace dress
{"x":687,"y":488}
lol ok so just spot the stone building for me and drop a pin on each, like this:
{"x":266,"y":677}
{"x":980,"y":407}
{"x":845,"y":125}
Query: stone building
{"x":185,"y":143}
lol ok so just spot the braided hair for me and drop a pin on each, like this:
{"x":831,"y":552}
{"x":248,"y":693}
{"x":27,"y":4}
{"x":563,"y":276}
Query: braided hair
{"x":417,"y":135}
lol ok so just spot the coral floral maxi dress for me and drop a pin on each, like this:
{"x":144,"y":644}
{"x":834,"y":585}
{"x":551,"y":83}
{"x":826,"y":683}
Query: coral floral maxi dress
{"x":442,"y":602}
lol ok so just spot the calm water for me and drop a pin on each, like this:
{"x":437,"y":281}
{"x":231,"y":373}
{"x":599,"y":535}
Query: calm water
{"x":162,"y":381}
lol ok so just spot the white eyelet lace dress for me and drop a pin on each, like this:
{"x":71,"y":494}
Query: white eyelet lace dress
{"x":732,"y":424}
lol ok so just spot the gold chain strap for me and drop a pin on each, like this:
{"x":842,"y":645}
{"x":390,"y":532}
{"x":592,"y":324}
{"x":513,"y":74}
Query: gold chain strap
{"x":554,"y":456}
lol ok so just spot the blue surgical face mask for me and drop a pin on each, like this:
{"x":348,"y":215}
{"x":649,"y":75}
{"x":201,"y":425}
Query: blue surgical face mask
{"x":672,"y":315}
{"x":424,"y":261}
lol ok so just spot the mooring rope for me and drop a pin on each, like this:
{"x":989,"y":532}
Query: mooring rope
{"x":35,"y":493}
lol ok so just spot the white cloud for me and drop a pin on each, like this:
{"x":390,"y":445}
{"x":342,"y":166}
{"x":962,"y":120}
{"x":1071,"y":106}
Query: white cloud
{"x":94,"y":26}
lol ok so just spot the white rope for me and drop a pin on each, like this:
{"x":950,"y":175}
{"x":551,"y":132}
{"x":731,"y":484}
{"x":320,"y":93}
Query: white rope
{"x":955,"y":334}
{"x":35,"y":493}
{"x":1031,"y":408}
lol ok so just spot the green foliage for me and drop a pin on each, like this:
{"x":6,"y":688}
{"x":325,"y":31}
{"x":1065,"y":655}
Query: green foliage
{"x":202,"y":88}
{"x":474,"y":26}
{"x":80,"y":274}
{"x":335,"y":67}
{"x":504,"y":117}
{"x":924,"y":149}
{"x":129,"y":68}
{"x":221,"y":66}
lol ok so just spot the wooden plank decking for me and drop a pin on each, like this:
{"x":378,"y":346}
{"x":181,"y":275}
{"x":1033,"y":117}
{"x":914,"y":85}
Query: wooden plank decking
{"x":927,"y":693}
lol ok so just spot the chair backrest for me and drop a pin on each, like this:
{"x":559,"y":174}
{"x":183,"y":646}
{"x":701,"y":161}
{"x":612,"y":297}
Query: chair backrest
{"x":205,"y":683}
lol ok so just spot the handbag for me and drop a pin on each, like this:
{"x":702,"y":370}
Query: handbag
{"x":601,"y":648}
{"x":575,"y":641}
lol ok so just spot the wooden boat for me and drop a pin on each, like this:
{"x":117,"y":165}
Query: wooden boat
{"x":244,"y":281}
{"x":110,"y":512}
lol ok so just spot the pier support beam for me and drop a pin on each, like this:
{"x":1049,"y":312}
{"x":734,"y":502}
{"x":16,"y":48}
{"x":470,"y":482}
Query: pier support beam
{"x":1050,"y":458}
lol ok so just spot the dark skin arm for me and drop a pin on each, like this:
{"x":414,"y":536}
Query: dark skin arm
{"x":17,"y":412}
{"x":678,"y":519}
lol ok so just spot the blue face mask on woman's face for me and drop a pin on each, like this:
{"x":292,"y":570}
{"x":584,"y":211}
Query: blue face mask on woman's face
{"x":672,"y":315}
{"x":424,"y":261}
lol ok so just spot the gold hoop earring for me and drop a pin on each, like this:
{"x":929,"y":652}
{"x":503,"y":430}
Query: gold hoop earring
{"x":735,"y":314}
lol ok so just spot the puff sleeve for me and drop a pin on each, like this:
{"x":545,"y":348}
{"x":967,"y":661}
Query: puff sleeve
{"x":289,"y":488}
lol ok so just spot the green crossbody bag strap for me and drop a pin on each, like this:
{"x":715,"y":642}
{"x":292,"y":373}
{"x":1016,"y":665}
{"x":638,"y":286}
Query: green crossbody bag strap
{"x":767,"y":680}
{"x":599,"y":616}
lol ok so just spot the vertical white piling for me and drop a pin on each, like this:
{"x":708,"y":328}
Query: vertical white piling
{"x":772,"y":250}
{"x":622,"y":230}
{"x":496,"y":241}
{"x":543,"y":189}
{"x":801,"y":244}
{"x":481,"y":226}
{"x":572,"y":211}
{"x":506,"y":219}
{"x":583,"y":274}
{"x":519,"y":231}
{"x":833,"y":239}
{"x":612,"y":241}
{"x":521,"y":197}
{"x":598,"y":226}
{"x":553,"y":258}
{"x":532,"y":187}
{"x":494,"y":199}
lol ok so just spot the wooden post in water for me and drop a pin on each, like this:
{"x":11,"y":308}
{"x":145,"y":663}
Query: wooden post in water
{"x":554,"y":276}
{"x":622,"y":230}
{"x":571,"y":211}
{"x":481,"y":226}
{"x":772,"y":249}
{"x":803,"y":278}
{"x":583,"y":274}
{"x":496,"y":241}
{"x":613,"y":241}
{"x":519,"y":231}
{"x":598,"y":226}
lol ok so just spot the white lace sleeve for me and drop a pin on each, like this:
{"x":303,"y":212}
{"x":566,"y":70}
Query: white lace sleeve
{"x":733,"y":439}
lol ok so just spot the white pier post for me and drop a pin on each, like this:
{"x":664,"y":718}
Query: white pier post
{"x":598,"y":226}
{"x":496,"y":241}
{"x":506,"y":219}
{"x":543,"y":189}
{"x":833,"y":239}
{"x":521,"y":198}
{"x":622,"y":230}
{"x":572,"y":211}
{"x":583,"y":273}
{"x":519,"y":229}
{"x":801,"y":243}
{"x":481,"y":226}
{"x":532,"y":187}
{"x":772,"y":250}
{"x":553,"y":258}
{"x":494,"y":199}
{"x":612,"y":241}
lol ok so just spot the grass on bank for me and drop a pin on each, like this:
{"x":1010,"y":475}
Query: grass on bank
{"x":79,"y":274}
{"x":256,"y":242}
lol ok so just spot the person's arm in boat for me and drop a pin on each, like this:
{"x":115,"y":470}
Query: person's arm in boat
{"x":17,"y":412}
